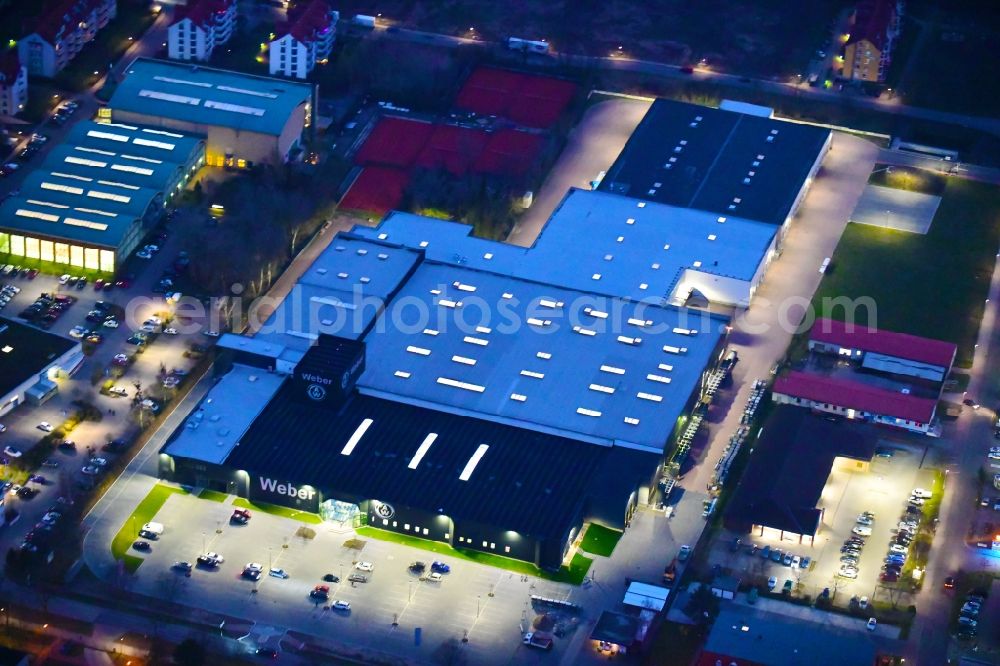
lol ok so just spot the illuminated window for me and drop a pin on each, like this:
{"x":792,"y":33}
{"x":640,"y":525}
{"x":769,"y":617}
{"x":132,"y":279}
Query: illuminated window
{"x":47,"y":251}
{"x":103,"y":114}
{"x":91,"y":258}
{"x":76,"y":256}
{"x":62,"y":253}
{"x":31,"y":248}
{"x":4,"y":243}
{"x":107,"y":261}
{"x":17,"y":245}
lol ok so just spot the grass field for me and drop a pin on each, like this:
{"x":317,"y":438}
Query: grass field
{"x":213,"y":495}
{"x":275,"y":510}
{"x":909,"y":179}
{"x":574,"y":573}
{"x":933,"y":285}
{"x":143,"y":513}
{"x":952,"y":71}
{"x":600,"y":540}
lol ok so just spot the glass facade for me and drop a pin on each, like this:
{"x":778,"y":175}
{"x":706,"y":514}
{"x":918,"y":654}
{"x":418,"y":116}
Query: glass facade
{"x":91,"y":258}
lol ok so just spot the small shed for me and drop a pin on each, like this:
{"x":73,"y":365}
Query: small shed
{"x":725,"y":587}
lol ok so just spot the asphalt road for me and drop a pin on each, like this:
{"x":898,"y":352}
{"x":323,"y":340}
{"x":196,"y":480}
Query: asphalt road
{"x":894,"y":106}
{"x":591,"y":147}
{"x":963,"y":448}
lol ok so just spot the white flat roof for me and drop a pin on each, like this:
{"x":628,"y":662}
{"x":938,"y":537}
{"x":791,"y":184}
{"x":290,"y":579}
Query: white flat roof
{"x":212,"y":430}
{"x":619,"y":246}
{"x":571,"y":363}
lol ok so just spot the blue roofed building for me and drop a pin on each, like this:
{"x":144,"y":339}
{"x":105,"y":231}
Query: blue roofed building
{"x":634,"y":248}
{"x":450,"y":402}
{"x":96,"y":195}
{"x":246,"y":119}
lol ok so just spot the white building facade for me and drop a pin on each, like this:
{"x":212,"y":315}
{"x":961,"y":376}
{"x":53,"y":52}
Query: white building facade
{"x":199,"y":28}
{"x":60,"y":33}
{"x":13,"y":84}
{"x":305,"y":41}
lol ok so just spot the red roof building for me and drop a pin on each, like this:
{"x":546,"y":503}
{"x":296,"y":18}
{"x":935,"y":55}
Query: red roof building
{"x":305,"y":40}
{"x":854,"y":400}
{"x":60,"y":31}
{"x":868,"y":50}
{"x":13,"y":83}
{"x":861,"y":338}
{"x":199,"y":27}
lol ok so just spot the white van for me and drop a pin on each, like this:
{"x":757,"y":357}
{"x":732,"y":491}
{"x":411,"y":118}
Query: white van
{"x":154,"y":528}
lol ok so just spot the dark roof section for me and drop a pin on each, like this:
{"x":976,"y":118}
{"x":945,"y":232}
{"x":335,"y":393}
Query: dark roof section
{"x":526,"y":481}
{"x":880,"y":341}
{"x":24,"y":351}
{"x":616,"y":628}
{"x":789,"y":467}
{"x":10,"y":67}
{"x":710,"y":152}
{"x":871,"y":22}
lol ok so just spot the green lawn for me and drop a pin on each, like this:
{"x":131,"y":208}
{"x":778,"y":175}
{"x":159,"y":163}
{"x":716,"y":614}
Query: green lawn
{"x":143,"y":513}
{"x":933,"y":285}
{"x":909,"y":179}
{"x":600,"y":540}
{"x":573,"y":574}
{"x":275,"y":510}
{"x":213,"y":495}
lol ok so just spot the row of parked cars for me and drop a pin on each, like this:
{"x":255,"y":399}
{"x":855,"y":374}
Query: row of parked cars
{"x":12,"y":271}
{"x":46,"y":310}
{"x":776,"y":555}
{"x":7,"y":293}
{"x":850,"y":551}
{"x":968,"y":615}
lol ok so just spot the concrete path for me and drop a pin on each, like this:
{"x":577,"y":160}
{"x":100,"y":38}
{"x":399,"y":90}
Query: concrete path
{"x":591,"y":147}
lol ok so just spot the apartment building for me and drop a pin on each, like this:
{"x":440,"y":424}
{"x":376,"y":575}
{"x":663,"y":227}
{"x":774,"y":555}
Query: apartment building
{"x":305,"y":40}
{"x":13,"y":83}
{"x":874,"y":30}
{"x":61,"y":30}
{"x":199,"y":28}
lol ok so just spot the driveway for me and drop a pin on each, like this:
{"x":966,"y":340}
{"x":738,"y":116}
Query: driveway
{"x":591,"y":147}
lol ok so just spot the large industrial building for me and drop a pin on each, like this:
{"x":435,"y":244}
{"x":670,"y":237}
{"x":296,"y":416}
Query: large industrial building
{"x":739,"y":163}
{"x":97,"y":194}
{"x":30,"y":361}
{"x":694,"y":209}
{"x":493,"y":397}
{"x":246,"y":119}
{"x":780,"y":494}
{"x":449,"y":402}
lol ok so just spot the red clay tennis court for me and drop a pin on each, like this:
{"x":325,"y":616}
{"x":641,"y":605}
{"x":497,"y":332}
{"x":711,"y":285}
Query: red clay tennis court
{"x":377,"y":190}
{"x":509,"y":151}
{"x":453,"y":148}
{"x":394,"y":142}
{"x":533,"y":101}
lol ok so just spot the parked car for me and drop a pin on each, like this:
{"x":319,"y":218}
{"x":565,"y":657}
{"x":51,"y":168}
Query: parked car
{"x":861,"y":530}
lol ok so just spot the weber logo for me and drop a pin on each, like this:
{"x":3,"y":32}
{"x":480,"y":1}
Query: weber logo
{"x":315,"y":379}
{"x":316,"y":392}
{"x":286,"y":489}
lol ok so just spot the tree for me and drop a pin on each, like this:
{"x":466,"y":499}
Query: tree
{"x":703,"y":606}
{"x":189,"y":652}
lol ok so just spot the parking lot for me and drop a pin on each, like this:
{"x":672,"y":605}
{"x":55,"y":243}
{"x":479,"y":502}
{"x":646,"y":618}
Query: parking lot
{"x":488,"y":606}
{"x":132,"y":305}
{"x":883,"y":490}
